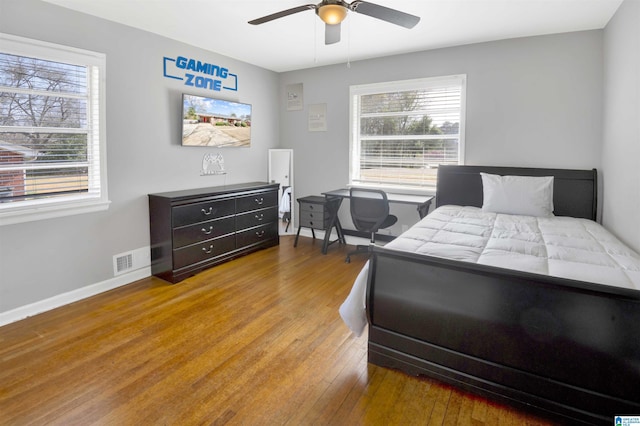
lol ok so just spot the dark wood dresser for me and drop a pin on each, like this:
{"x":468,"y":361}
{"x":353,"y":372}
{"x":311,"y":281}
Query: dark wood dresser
{"x":195,"y":229}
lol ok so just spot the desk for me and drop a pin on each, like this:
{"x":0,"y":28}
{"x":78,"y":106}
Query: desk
{"x":422,"y":202}
{"x":327,"y":212}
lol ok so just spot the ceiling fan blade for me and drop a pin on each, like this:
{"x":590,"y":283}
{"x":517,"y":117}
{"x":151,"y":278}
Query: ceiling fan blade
{"x":331,"y":33}
{"x":282,"y":14}
{"x":384,"y":13}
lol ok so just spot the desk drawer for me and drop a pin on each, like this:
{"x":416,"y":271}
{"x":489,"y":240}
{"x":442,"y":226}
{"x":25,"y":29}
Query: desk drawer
{"x":313,"y":219}
{"x":192,"y":234}
{"x":200,"y":212}
{"x":312,"y":207}
{"x":202,"y":251}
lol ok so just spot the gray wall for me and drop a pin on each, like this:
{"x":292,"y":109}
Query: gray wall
{"x":530,"y":102}
{"x":42,"y":259}
{"x":540,"y":101}
{"x":621,"y":135}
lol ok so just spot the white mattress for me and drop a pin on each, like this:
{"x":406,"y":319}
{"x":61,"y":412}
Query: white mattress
{"x":563,"y":247}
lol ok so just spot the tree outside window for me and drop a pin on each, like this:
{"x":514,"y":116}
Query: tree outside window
{"x":50,"y":126}
{"x":402,"y":131}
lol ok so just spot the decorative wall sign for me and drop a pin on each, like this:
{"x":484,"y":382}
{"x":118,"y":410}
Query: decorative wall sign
{"x":318,"y":118}
{"x":199,"y":74}
{"x":212,"y":164}
{"x":294,"y":97}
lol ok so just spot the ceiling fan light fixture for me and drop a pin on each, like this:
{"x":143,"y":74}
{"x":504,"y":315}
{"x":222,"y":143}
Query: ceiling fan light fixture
{"x":332,"y":14}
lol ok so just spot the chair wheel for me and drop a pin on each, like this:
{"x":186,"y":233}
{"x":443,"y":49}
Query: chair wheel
{"x":347,"y":260}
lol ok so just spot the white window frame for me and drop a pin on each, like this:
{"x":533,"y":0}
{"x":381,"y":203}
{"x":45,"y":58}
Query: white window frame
{"x":356,"y":91}
{"x":97,"y":198}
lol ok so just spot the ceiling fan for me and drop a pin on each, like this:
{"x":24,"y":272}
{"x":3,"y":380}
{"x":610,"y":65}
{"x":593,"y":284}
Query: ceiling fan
{"x":333,"y":12}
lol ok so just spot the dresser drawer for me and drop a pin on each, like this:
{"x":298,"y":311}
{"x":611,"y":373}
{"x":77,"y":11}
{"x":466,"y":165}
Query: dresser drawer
{"x":200,"y":212}
{"x":192,"y":234}
{"x":257,"y":201}
{"x":257,"y":235}
{"x":256,"y":218}
{"x":195,"y":253}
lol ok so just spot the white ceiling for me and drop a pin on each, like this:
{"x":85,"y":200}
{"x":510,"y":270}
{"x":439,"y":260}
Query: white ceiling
{"x":297,"y":41}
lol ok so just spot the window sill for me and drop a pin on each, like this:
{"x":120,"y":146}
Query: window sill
{"x":41,"y":212}
{"x":396,"y":189}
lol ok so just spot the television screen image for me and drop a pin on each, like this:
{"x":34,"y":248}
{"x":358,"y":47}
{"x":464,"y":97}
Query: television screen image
{"x":215,"y":122}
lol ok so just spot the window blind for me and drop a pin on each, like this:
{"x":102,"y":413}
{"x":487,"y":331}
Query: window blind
{"x":402,"y":131}
{"x":49,"y":135}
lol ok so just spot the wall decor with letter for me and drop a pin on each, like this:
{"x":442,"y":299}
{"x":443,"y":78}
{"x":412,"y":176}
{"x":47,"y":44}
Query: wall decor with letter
{"x":294,"y":97}
{"x":318,"y":118}
{"x":199,"y":74}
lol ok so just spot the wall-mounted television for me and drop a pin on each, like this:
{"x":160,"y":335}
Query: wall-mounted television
{"x":215,"y":122}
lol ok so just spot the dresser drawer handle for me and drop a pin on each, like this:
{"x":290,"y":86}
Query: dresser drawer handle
{"x":260,"y":234}
{"x":209,"y":231}
{"x":259,"y":201}
{"x":260,"y":217}
{"x":208,"y":250}
{"x":207,"y":212}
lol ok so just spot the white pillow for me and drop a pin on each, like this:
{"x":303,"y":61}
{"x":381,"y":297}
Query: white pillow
{"x":523,"y":195}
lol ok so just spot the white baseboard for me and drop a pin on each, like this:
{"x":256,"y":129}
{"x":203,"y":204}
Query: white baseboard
{"x":26,"y":311}
{"x":32,"y":309}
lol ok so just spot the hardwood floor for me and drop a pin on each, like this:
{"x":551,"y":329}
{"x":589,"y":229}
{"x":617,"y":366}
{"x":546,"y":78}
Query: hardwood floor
{"x":254,"y":341}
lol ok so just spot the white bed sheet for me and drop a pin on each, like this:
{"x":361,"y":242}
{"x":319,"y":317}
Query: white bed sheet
{"x":564,"y":247}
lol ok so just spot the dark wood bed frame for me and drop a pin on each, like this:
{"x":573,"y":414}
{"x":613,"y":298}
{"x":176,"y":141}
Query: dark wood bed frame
{"x":565,"y":349}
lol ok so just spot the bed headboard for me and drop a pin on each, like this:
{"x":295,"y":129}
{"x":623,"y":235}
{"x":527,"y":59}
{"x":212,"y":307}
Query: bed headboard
{"x":574,"y":191}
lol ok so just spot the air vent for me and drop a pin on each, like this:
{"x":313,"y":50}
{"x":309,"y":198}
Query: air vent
{"x":128,"y":261}
{"x":124,"y":263}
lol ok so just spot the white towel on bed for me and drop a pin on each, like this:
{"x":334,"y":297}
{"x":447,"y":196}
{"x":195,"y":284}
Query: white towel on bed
{"x":353,"y":309}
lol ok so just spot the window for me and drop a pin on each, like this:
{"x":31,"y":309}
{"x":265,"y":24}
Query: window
{"x":52,"y":144}
{"x":402,"y":131}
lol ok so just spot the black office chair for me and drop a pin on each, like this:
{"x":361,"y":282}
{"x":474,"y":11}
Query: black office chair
{"x":369,"y":213}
